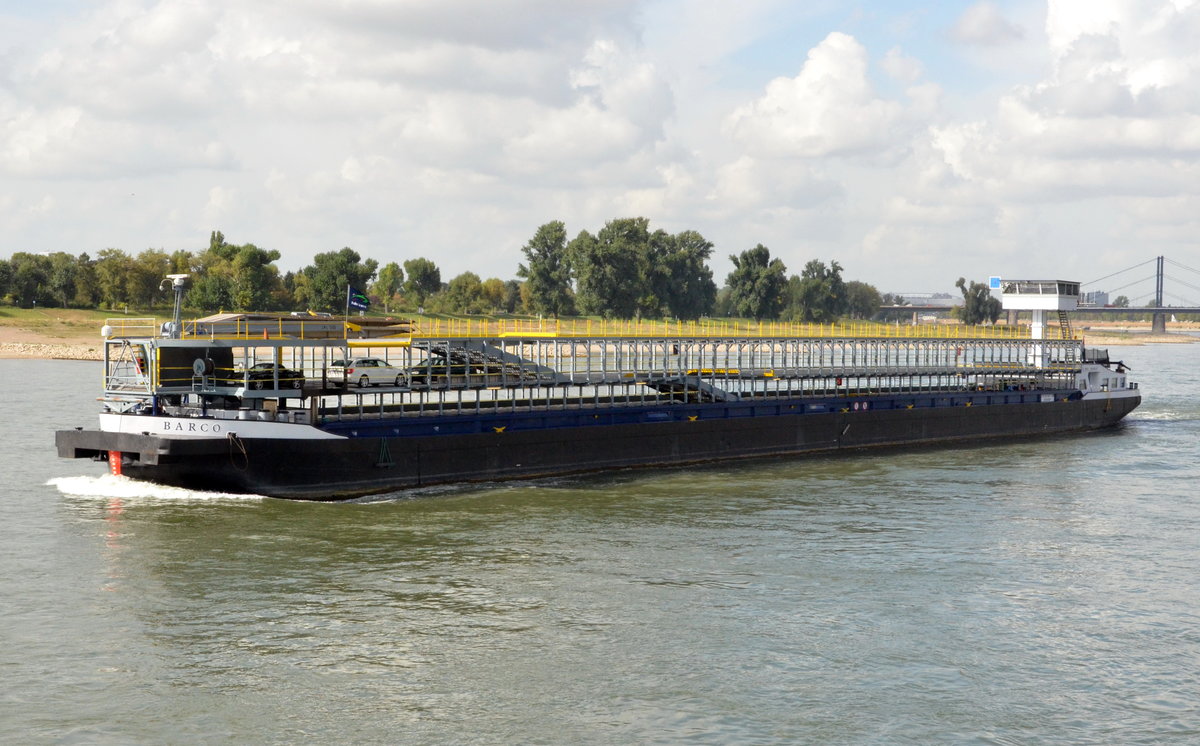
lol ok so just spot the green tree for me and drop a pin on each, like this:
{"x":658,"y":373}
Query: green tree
{"x":862,"y":300}
{"x":6,"y":272}
{"x":463,"y":294}
{"x":388,"y":284}
{"x":29,"y":284}
{"x":255,"y":278}
{"x":331,"y":273}
{"x":182,"y":262}
{"x":756,"y":284}
{"x":424,"y":279}
{"x":685,"y":280}
{"x":233,"y":276}
{"x":300,"y":290}
{"x":512,"y":296}
{"x":63,"y":271}
{"x":548,"y":274}
{"x":87,"y":292}
{"x":218,"y":246}
{"x":1122,"y":301}
{"x":627,"y":271}
{"x":284,"y":295}
{"x":818,"y":294}
{"x":723,"y":306}
{"x":144,"y":276}
{"x":210,"y":291}
{"x":211,"y":285}
{"x":611,"y":269}
{"x":112,"y":266}
{"x":493,"y":294}
{"x":978,"y":304}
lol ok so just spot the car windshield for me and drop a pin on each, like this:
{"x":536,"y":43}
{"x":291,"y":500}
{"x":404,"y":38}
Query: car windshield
{"x":338,"y":364}
{"x":263,"y":366}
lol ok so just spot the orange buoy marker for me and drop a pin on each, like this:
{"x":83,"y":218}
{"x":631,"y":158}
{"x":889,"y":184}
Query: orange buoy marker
{"x":114,"y":463}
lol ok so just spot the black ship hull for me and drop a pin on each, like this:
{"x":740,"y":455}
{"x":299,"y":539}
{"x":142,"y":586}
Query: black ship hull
{"x":512,"y":447}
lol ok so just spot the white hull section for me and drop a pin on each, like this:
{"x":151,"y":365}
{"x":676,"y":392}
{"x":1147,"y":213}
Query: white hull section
{"x":196,"y":427}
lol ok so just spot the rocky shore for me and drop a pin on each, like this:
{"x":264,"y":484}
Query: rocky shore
{"x":42,"y":351}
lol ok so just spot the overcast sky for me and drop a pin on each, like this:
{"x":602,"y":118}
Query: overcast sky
{"x":913,"y":142}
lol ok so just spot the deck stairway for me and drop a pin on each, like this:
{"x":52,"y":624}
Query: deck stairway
{"x":1064,"y":324}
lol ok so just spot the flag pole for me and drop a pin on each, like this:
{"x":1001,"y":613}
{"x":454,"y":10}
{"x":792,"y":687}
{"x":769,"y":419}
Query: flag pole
{"x":347,"y":327}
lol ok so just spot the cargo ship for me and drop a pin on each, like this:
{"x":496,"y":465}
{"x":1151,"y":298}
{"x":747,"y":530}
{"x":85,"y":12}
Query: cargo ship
{"x":320,"y":408}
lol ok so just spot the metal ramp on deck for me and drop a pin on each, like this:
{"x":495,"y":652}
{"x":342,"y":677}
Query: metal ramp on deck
{"x":481,"y":353}
{"x":703,"y":390}
{"x":497,"y":363}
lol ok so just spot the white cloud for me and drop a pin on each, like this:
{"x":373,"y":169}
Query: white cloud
{"x":902,"y":67}
{"x":620,"y":109}
{"x":750,"y":184}
{"x":1152,"y":45}
{"x":220,"y":200}
{"x":828,"y":109}
{"x":452,"y":130}
{"x":319,"y":104}
{"x":983,"y":23}
{"x":1090,"y":161}
{"x":1089,"y":128}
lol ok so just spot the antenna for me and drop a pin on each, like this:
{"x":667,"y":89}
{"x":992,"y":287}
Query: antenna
{"x":176,"y":324}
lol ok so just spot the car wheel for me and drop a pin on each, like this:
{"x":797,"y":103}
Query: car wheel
{"x":364,"y":382}
{"x":256,"y":384}
{"x":399,"y":380}
{"x":298,"y":383}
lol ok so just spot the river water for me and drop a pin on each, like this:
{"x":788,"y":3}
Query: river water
{"x":1016,"y":593}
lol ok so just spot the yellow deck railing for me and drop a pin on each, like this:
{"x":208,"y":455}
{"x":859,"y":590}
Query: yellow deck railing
{"x":583,"y":328}
{"x":130,"y":327}
{"x":430,"y":328}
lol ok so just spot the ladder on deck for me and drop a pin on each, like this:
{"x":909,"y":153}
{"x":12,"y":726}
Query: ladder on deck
{"x":1064,"y":324}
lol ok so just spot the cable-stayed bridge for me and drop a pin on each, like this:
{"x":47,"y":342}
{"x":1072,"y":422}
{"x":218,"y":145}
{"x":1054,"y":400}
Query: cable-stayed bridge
{"x":1147,"y":287}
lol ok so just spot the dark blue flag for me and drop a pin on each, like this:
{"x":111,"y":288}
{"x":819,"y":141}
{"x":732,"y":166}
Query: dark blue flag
{"x":355,"y":299}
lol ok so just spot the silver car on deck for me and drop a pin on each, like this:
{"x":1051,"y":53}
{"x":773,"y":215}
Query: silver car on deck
{"x":364,"y":372}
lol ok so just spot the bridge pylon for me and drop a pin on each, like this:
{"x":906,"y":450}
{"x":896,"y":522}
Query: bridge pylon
{"x":1158,"y":321}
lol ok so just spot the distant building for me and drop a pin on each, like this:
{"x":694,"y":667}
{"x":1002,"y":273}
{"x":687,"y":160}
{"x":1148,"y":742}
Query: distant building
{"x":1097,"y":298}
{"x":932,"y":299}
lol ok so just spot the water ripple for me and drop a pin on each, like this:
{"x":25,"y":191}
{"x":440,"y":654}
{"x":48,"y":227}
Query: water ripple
{"x":1020,"y":592}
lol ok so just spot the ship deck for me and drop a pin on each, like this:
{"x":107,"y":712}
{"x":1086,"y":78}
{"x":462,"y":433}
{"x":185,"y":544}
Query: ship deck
{"x":489,"y":366}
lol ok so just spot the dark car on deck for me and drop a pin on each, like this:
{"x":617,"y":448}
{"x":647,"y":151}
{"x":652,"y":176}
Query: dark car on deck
{"x":262,"y":376}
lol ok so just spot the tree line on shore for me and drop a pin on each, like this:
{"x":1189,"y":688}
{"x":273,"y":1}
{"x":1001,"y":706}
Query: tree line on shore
{"x":624,"y":270}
